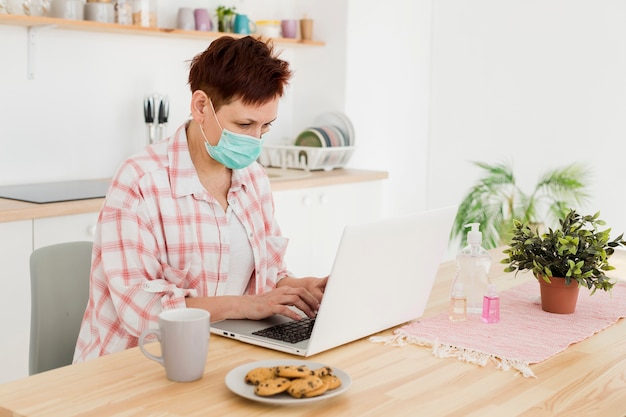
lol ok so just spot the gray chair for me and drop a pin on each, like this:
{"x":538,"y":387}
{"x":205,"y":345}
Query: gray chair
{"x":59,"y":280}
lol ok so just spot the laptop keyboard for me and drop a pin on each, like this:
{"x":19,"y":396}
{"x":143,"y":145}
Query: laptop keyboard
{"x":291,"y":332}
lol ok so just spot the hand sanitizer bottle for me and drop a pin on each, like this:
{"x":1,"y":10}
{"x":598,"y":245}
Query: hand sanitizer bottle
{"x":473,"y":264}
{"x":491,"y":305}
{"x":458,"y":303}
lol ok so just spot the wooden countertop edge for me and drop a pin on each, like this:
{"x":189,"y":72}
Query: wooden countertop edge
{"x":13,"y":210}
{"x":334,"y":177}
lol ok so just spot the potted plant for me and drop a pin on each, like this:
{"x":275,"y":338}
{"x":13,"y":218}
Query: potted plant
{"x":574,"y":255}
{"x":497,"y":199}
{"x":225,"y":17}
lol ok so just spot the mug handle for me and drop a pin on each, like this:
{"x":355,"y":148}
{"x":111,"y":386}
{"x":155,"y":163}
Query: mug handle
{"x":143,"y":335}
{"x":252,"y":26}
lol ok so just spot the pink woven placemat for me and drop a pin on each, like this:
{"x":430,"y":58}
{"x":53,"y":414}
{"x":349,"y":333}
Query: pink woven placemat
{"x":525,"y":334}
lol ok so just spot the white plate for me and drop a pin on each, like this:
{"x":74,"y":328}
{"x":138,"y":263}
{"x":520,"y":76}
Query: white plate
{"x":235,"y":382}
{"x":340,"y":121}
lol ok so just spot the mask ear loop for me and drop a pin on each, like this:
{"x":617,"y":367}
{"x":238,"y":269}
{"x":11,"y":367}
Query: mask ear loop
{"x":204,"y":135}
{"x":218,"y":123}
{"x":215,"y":114}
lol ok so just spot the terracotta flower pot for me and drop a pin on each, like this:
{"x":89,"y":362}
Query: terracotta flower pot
{"x":557,"y":297}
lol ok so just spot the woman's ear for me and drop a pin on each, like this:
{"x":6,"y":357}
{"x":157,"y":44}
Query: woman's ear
{"x":199,"y":105}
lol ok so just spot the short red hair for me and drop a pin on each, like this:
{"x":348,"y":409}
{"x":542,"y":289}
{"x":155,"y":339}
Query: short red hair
{"x":244,"y":68}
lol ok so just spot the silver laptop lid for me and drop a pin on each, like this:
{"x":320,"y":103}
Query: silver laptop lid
{"x":382,"y":276}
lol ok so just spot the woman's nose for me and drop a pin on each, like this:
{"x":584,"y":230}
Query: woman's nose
{"x":258,"y":133}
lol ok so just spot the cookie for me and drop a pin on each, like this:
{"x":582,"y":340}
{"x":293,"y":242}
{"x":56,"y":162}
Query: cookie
{"x":290,"y":371}
{"x":324,"y":371}
{"x":258,"y":375}
{"x":301,"y":386}
{"x":272,"y":386}
{"x":316,"y":392}
{"x":332,"y":381}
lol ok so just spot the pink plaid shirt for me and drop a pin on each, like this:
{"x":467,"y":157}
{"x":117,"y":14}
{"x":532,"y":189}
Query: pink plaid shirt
{"x":161,"y":237}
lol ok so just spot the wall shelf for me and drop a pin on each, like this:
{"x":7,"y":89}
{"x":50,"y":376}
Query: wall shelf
{"x":36,"y":24}
{"x":89,"y":26}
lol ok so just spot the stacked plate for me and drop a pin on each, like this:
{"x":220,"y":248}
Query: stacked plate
{"x":327,"y":145}
{"x":331,"y":130}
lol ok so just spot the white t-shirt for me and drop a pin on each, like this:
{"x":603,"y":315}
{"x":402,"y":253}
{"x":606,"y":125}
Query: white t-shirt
{"x":241,"y":258}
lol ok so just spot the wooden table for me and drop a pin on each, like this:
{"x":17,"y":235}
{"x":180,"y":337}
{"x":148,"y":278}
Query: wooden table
{"x":587,"y":380}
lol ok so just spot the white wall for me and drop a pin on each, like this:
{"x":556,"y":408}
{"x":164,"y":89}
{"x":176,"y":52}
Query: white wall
{"x":537,"y":82}
{"x":387,"y":89}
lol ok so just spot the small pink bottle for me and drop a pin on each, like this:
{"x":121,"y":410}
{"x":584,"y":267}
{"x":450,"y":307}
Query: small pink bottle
{"x":491,"y":305}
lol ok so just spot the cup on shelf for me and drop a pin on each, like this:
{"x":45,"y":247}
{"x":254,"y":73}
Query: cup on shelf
{"x":243,"y":25}
{"x":268,"y":28}
{"x":289,"y":28}
{"x":67,"y":9}
{"x":306,"y":29}
{"x":202,"y":20}
{"x":99,"y":12}
{"x":185,"y":19}
{"x":145,"y":13}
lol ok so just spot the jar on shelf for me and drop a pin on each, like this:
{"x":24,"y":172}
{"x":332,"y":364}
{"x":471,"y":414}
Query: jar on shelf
{"x":123,"y":12}
{"x":145,"y":13}
{"x":268,"y":28}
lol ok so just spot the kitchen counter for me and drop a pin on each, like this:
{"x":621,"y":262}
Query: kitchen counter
{"x":14,"y":210}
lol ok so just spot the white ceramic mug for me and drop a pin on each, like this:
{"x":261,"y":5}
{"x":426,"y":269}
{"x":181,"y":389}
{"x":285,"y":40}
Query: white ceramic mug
{"x":184,"y":337}
{"x":185,"y":19}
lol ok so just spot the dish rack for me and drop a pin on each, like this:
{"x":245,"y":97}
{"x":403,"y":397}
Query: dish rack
{"x":307,"y":158}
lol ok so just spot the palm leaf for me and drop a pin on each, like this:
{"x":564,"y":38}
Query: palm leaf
{"x":496,"y":200}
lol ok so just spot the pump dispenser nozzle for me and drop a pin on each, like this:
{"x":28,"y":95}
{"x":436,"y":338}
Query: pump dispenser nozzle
{"x":474,"y":236}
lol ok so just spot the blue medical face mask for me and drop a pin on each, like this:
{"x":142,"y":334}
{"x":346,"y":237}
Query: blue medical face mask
{"x":234,"y":150}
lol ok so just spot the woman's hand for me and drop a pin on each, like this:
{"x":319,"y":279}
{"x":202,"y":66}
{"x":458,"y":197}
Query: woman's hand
{"x":279,"y":301}
{"x":315,"y":286}
{"x":303,"y":293}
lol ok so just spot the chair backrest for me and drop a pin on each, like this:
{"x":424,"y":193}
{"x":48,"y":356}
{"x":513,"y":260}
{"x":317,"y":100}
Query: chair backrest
{"x":59,"y":280}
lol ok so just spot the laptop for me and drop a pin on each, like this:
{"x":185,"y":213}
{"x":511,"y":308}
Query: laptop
{"x":382,"y":277}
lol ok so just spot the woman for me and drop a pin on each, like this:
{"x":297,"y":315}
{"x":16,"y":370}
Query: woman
{"x":189,"y":221}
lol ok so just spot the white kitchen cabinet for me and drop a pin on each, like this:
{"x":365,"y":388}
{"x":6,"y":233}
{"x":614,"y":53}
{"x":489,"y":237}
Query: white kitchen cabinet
{"x":75,"y":227}
{"x":16,"y":244}
{"x":314,"y":218}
